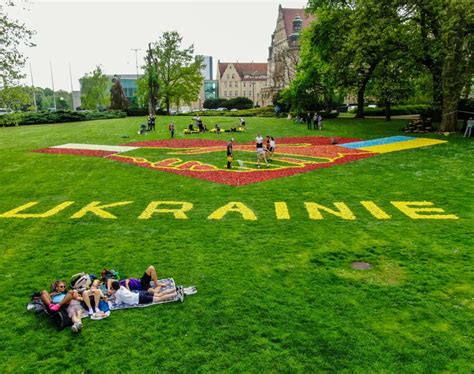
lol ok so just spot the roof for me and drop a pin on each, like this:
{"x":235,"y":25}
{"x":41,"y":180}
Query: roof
{"x":245,"y":68}
{"x":289,"y":15}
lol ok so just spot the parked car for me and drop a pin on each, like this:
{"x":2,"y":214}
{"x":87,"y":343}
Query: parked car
{"x":221,"y":109}
{"x":234,"y":110}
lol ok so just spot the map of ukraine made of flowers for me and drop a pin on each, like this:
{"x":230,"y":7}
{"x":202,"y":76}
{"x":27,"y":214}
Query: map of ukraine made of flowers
{"x":205,"y":159}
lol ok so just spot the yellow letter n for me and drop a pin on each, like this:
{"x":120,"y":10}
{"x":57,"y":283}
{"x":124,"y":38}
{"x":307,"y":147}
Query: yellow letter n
{"x":343,"y":211}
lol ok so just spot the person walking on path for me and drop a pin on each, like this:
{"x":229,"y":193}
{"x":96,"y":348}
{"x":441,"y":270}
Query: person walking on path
{"x":171,"y":129}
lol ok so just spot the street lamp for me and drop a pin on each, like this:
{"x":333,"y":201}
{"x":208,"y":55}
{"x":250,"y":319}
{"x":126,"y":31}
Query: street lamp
{"x":253,"y":87}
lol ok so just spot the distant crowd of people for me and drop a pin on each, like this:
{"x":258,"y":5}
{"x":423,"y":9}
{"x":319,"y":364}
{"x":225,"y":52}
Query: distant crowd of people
{"x":312,"y":121}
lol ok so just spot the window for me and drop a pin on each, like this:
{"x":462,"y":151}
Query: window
{"x":233,"y":76}
{"x":225,"y":93}
{"x":244,"y":84}
{"x":227,"y":76}
{"x":236,"y":85}
{"x":225,"y":84}
{"x":236,"y":93}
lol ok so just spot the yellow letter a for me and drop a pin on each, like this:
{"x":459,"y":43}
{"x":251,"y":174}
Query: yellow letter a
{"x":233,"y":206}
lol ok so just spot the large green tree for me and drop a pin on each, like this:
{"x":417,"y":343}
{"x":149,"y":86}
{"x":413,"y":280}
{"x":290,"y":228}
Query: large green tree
{"x":15,"y":98}
{"x":95,"y":90}
{"x":13,"y":34}
{"x":178,"y":71}
{"x":351,"y":38}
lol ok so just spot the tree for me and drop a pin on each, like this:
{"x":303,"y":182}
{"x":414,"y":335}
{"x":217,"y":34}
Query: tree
{"x":118,"y":100}
{"x":178,"y":72}
{"x":94,"y":88}
{"x":64,"y":100}
{"x":12,"y":35}
{"x":15,"y":98}
{"x":458,"y":65}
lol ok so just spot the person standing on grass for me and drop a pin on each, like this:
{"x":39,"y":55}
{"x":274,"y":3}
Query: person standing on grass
{"x":230,"y":153}
{"x":260,"y":150}
{"x":320,"y":122}
{"x":171,"y":129}
{"x":271,"y":148}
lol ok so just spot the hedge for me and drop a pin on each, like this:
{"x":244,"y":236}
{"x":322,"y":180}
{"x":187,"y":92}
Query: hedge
{"x":398,"y":110}
{"x":60,"y":116}
{"x":267,"y":111}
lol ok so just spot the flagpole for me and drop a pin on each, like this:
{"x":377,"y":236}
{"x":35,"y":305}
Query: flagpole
{"x":33,"y":86}
{"x":72,"y":91}
{"x":52,"y":81}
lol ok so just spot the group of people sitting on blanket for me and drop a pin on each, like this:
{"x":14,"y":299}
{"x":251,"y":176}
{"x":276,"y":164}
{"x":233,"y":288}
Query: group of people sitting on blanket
{"x":217,"y":129}
{"x":88,"y":291}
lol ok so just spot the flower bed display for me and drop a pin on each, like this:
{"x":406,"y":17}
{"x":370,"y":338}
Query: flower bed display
{"x":296,"y":155}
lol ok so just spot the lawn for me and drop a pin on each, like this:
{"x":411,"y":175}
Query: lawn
{"x":274,"y":295}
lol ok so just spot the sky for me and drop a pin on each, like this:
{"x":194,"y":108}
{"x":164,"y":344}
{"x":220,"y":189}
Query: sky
{"x":84,"y":34}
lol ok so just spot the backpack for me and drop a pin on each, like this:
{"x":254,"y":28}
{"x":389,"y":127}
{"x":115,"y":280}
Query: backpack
{"x":80,"y":281}
{"x":109,"y":274}
{"x":60,"y":318}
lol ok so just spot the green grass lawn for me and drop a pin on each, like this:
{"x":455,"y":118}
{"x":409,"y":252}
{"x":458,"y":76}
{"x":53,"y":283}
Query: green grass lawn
{"x":273,"y":295}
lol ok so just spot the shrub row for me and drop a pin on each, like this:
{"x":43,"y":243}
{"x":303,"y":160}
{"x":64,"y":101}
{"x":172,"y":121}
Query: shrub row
{"x":398,"y":110}
{"x":34,"y":118}
{"x":254,"y":112}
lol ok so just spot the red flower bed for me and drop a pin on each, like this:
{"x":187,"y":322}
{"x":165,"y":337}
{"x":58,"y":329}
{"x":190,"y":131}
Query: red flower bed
{"x":288,"y":148}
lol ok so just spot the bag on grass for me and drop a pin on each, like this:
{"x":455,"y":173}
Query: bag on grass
{"x":80,"y":281}
{"x":109,"y":274}
{"x":61,"y":319}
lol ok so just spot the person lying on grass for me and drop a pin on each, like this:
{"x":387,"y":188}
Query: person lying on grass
{"x":75,"y":310}
{"x":58,"y":297}
{"x":141,"y":284}
{"x":123,"y":295}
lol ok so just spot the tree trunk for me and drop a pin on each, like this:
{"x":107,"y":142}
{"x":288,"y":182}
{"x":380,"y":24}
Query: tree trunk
{"x":360,"y":102}
{"x":167,"y":105}
{"x":436,"y":74}
{"x":387,"y":110}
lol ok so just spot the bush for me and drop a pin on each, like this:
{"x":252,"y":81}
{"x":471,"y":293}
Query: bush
{"x":398,"y":110}
{"x":254,"y":112}
{"x":137,"y":112}
{"x":60,"y":116}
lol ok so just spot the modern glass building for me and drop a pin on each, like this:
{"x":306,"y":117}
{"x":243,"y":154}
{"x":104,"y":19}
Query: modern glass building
{"x":207,"y":70}
{"x":129,"y":84}
{"x":210,"y":89}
